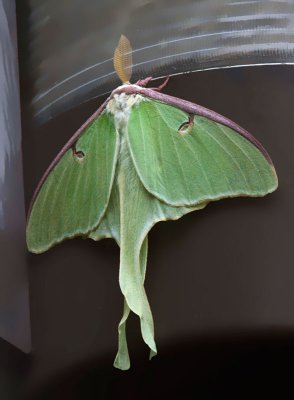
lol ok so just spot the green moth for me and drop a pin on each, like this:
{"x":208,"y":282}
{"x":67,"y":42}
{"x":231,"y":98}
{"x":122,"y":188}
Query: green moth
{"x":141,"y":158}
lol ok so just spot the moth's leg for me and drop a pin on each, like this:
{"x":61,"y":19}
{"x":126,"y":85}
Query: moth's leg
{"x":160,"y":87}
{"x":144,"y":82}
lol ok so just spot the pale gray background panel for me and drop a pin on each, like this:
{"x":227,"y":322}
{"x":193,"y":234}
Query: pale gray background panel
{"x":14,"y":300}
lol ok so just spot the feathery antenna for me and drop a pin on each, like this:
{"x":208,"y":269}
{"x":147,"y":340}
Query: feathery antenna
{"x":122,"y":59}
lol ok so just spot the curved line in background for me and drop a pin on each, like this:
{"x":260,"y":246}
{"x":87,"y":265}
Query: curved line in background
{"x":81,"y":72}
{"x":264,"y":35}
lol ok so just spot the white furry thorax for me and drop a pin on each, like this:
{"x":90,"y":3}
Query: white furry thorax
{"x":120,"y":107}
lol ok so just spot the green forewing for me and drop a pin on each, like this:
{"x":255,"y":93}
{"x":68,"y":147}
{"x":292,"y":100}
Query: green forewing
{"x":206,"y":161}
{"x":74,"y":196}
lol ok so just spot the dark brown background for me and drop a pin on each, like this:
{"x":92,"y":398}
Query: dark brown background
{"x":220,"y":281}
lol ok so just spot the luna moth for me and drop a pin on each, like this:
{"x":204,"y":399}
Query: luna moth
{"x":141,"y":158}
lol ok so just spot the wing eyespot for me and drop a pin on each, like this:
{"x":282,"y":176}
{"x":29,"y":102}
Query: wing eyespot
{"x":185,"y":127}
{"x":78,"y":155}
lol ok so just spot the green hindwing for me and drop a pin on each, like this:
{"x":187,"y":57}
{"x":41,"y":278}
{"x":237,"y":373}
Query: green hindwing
{"x":75,"y":194}
{"x":131,"y":213}
{"x":188,"y":162}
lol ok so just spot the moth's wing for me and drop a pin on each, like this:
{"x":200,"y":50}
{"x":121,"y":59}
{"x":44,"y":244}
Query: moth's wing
{"x":74,"y":194}
{"x":187,"y":164}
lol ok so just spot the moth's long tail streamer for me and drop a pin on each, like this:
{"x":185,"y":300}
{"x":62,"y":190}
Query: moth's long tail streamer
{"x":122,"y":360}
{"x":134,"y":206}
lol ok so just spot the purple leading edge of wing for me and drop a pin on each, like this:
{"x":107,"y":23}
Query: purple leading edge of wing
{"x":187,"y":106}
{"x":192,"y":108}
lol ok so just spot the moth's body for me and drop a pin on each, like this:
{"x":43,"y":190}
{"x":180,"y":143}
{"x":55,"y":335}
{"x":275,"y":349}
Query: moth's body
{"x":120,"y":107}
{"x":141,"y":158}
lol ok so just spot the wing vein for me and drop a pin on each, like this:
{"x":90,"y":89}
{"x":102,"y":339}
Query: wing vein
{"x":230,"y":155}
{"x":242,"y":150}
